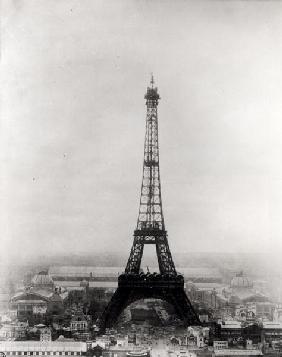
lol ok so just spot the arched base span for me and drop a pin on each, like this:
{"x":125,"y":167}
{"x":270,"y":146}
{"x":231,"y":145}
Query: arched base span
{"x":124,"y":296}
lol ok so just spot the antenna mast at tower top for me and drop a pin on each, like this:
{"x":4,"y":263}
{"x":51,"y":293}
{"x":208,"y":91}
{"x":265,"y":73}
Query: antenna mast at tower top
{"x":152,"y":80}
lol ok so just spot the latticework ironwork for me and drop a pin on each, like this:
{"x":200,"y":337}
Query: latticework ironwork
{"x":134,"y":284}
{"x":150,"y":224}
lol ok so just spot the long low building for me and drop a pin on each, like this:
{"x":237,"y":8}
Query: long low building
{"x":271,"y":331}
{"x":58,"y":273}
{"x":84,"y":272}
{"x":237,"y":352}
{"x":39,"y":348}
{"x":78,"y":285}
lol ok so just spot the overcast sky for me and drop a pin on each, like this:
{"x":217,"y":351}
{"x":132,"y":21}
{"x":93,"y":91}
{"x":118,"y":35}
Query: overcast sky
{"x":74,"y":74}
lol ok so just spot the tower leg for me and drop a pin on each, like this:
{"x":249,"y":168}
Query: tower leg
{"x":124,"y":296}
{"x":118,"y":303}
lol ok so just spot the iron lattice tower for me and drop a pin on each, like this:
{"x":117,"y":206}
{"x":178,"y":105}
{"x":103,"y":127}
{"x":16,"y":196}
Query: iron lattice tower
{"x":150,"y":224}
{"x":133,"y":285}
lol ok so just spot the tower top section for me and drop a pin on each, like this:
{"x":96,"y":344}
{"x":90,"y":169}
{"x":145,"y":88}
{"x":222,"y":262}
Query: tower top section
{"x":152,"y":95}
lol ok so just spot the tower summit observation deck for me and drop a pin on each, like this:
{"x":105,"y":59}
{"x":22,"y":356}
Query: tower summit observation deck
{"x":152,"y":93}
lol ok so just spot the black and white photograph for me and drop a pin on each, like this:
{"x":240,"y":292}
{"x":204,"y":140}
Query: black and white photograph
{"x":141,"y":178}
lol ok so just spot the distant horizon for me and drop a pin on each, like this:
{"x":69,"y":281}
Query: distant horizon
{"x":126,"y":253}
{"x":260,"y":261}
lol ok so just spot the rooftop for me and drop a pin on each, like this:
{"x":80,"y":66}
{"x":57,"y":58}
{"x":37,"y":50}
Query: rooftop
{"x":231,"y":324}
{"x":42,"y":346}
{"x":237,"y":352}
{"x":84,"y":271}
{"x":44,"y":294}
{"x":241,"y":281}
{"x":272,"y":325}
{"x":42,"y":279}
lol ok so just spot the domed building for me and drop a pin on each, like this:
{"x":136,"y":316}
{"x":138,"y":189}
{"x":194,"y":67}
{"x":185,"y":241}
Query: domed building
{"x":42,"y":280}
{"x":241,"y":288}
{"x":38,"y":299}
{"x":242,"y":295}
{"x":241,"y":282}
{"x":84,"y":284}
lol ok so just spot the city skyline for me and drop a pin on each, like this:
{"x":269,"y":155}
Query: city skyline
{"x":73,"y":124}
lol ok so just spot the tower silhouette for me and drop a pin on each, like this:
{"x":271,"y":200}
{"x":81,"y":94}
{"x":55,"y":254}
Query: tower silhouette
{"x":133,"y":284}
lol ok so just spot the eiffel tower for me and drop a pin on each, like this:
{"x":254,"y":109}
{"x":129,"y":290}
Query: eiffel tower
{"x":133,"y":284}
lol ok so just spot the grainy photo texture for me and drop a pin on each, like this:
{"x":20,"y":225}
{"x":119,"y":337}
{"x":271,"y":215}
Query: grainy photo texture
{"x":141,"y":178}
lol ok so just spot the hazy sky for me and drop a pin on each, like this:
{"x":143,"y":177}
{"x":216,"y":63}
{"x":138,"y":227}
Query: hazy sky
{"x":74,"y":74}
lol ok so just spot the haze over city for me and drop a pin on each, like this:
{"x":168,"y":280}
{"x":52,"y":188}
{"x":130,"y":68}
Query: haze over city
{"x":74,"y":76}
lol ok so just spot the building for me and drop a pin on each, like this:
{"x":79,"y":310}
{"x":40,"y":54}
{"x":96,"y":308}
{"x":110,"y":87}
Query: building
{"x":271,"y":331}
{"x":38,"y":348}
{"x":68,"y":275}
{"x":35,"y":304}
{"x":7,"y":332}
{"x":37,"y":300}
{"x":277,"y":313}
{"x":13,"y":330}
{"x":204,"y":318}
{"x":207,"y":294}
{"x":197,"y":336}
{"x":220,"y":345}
{"x":245,"y":312}
{"x":265,"y":309}
{"x":78,"y":323}
{"x":242,"y":291}
{"x":45,"y":334}
{"x":138,"y":353}
{"x":42,"y":280}
{"x":97,"y":351}
{"x":252,"y":332}
{"x":231,"y":330}
{"x":240,"y":281}
{"x":237,"y":352}
{"x":80,"y":273}
{"x":4,"y":299}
